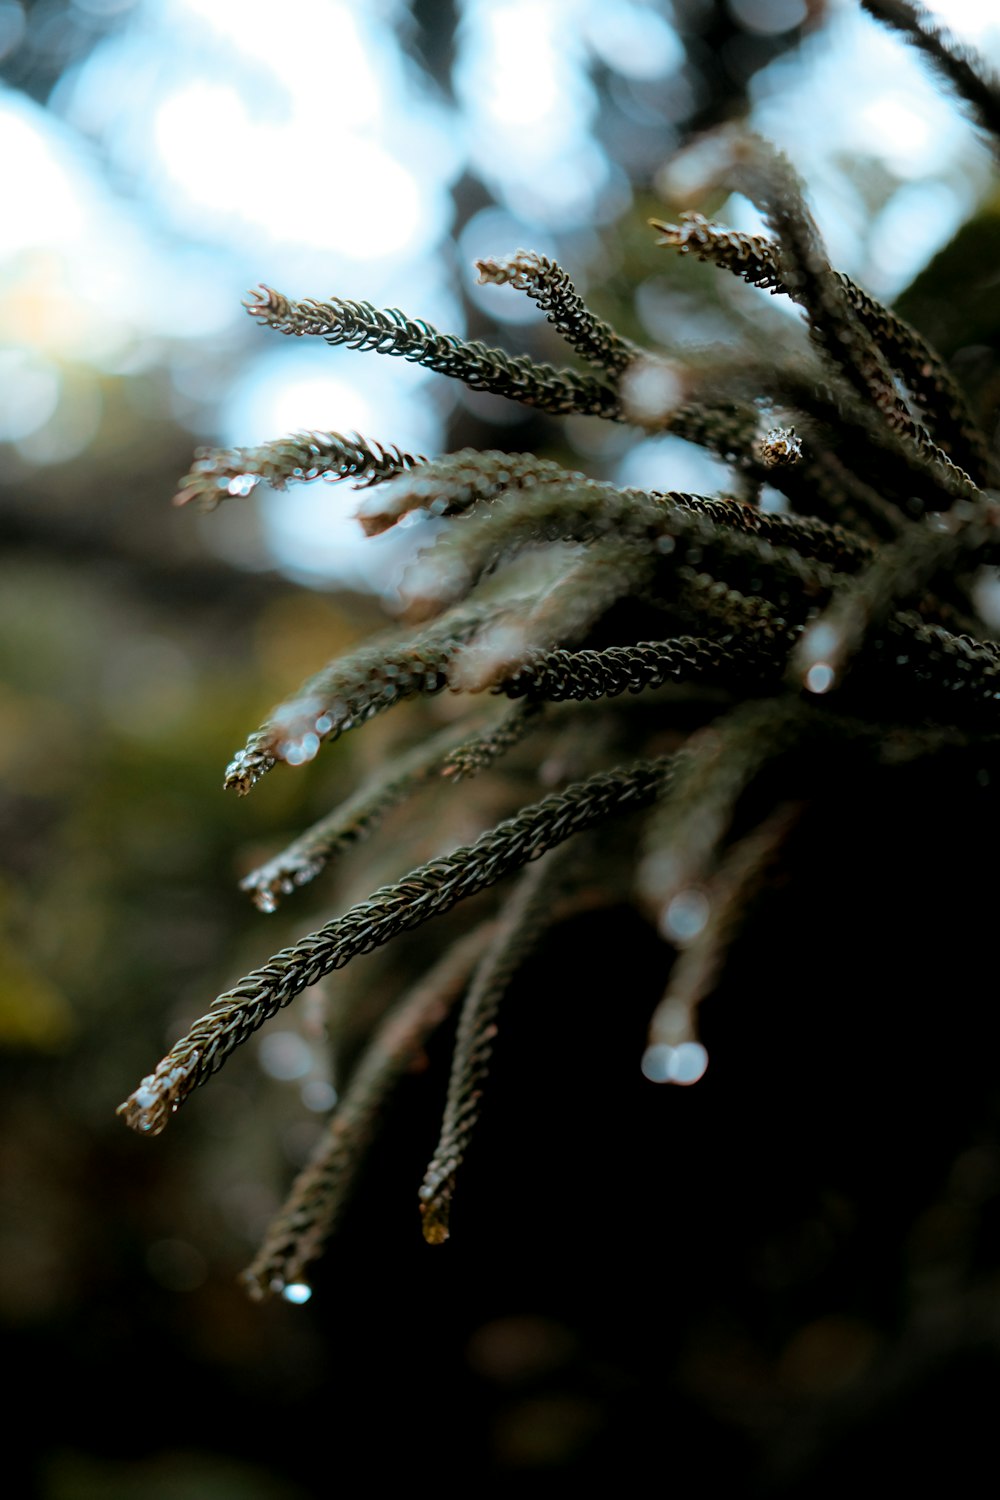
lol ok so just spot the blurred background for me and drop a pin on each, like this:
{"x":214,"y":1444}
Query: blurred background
{"x":158,"y":157}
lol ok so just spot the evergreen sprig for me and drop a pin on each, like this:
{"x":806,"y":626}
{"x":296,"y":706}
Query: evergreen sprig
{"x":520,"y":923}
{"x":448,"y":486}
{"x":359,"y":325}
{"x":317,"y":1196}
{"x":701,"y":644}
{"x":353,"y":689}
{"x":548,"y":285}
{"x":427,"y":892}
{"x":221,"y":472}
{"x":453,"y":752}
{"x":936,"y":394}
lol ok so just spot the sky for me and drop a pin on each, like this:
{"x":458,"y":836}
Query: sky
{"x":198,"y":150}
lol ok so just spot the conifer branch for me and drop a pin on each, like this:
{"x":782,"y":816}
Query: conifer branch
{"x":940,"y":399}
{"x":520,"y":924}
{"x":303,"y":456}
{"x":427,"y":892}
{"x":926,"y":668}
{"x":750,"y":256}
{"x":935,"y":672}
{"x":892,"y":457}
{"x":764,"y":623}
{"x":902,"y":462}
{"x":359,"y":325}
{"x":673,"y":526}
{"x":352,"y":821}
{"x":767,"y":178}
{"x":690,"y":823}
{"x":317,"y":1197}
{"x":558,"y":676}
{"x":728,"y":898}
{"x":480,"y":751}
{"x":837,"y":492}
{"x":448,"y":486}
{"x":966,"y":535}
{"x":548,"y":285}
{"x":454,"y":753}
{"x":353,"y":689}
{"x":712,"y":599}
{"x":727,"y":428}
{"x":608,"y":571}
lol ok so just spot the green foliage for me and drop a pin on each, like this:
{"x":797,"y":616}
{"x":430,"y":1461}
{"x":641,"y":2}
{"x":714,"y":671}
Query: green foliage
{"x":682,"y":652}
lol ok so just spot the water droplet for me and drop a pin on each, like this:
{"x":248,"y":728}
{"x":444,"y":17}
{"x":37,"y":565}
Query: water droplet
{"x":297,"y":1292}
{"x":297,"y":752}
{"x":685,"y":916}
{"x":820,"y":678}
{"x":689,"y":1063}
{"x":242,"y":484}
{"x":656,"y":1062}
{"x":265,"y":900}
{"x":683,"y":1064}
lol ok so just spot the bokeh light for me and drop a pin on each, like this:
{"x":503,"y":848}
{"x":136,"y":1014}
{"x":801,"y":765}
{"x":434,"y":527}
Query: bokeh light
{"x":184,"y":155}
